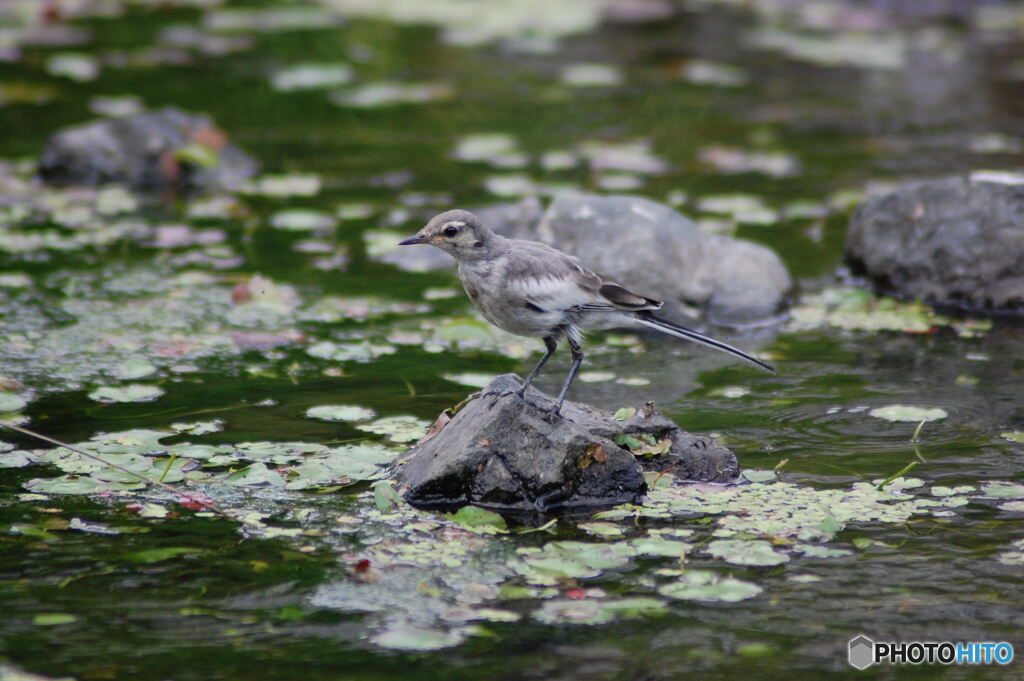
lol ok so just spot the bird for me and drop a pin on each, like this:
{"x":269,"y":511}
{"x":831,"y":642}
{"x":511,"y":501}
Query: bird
{"x":531,"y":289}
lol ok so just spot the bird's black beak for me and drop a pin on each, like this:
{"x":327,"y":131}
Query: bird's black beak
{"x":415,"y":239}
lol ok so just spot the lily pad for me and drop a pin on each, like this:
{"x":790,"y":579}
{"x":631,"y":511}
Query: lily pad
{"x":476,"y":517}
{"x":350,"y":352}
{"x":1003,"y":490}
{"x":302,"y":220}
{"x":298,"y":184}
{"x":416,"y":638}
{"x":10,"y":402}
{"x":78,"y":484}
{"x":397,"y":428}
{"x":135,"y":392}
{"x":704,"y":585}
{"x":311,"y":76}
{"x":597,"y":610}
{"x":392,"y":93}
{"x":497,"y":149}
{"x":256,"y":474}
{"x":337,"y":412}
{"x":74,"y":65}
{"x":132,"y":369}
{"x":746,"y":552}
{"x":819,"y":551}
{"x":50,"y":619}
{"x":860,"y":310}
{"x":659,"y":546}
{"x":902,"y":412}
{"x":592,"y":75}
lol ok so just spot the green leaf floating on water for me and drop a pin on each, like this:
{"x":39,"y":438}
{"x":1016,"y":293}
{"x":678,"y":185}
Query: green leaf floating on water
{"x":759,"y":475}
{"x":819,"y":551}
{"x":642,"y":444}
{"x":385,"y":497}
{"x":350,"y":352}
{"x":11,"y":402}
{"x":659,"y":546}
{"x":1003,"y":490}
{"x":255,"y":475}
{"x":397,"y":428}
{"x":403,"y":636}
{"x":903,"y":412}
{"x":131,"y":369}
{"x":746,"y":552}
{"x":135,"y":392}
{"x":597,"y":610}
{"x":602,"y":529}
{"x":77,"y":484}
{"x":704,"y":585}
{"x":340,"y":412}
{"x":50,"y":619}
{"x":572,"y":559}
{"x":479,"y":518}
{"x":302,"y":220}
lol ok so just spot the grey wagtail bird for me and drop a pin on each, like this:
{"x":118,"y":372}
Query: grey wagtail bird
{"x":531,"y":289}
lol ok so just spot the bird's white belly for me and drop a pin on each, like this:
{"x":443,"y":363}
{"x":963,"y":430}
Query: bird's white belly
{"x":516,"y":318}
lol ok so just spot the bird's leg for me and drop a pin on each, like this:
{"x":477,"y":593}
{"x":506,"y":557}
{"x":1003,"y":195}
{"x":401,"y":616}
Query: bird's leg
{"x":577,"y":360}
{"x":551,"y":344}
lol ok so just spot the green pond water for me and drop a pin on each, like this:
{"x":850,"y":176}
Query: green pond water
{"x":765,"y":122}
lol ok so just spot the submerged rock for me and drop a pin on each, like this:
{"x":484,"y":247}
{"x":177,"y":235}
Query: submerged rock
{"x":506,"y":452}
{"x":953,"y":242}
{"x":149,"y":150}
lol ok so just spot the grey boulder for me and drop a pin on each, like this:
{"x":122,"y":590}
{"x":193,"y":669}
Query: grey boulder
{"x":160,"y":149}
{"x":506,"y":452}
{"x":955,"y":242}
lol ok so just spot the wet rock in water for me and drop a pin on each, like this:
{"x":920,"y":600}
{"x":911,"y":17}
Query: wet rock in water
{"x":650,"y":248}
{"x":149,"y":150}
{"x":505,"y":452}
{"x":952,"y":242}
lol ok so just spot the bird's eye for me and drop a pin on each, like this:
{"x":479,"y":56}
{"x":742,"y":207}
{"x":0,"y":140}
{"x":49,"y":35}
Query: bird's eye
{"x":450,"y":231}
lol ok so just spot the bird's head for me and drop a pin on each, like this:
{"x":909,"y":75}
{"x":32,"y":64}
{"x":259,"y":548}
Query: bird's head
{"x":457,"y":232}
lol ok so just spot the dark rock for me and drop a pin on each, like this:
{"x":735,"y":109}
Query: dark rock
{"x":952,"y":242}
{"x":505,"y":452}
{"x":150,"y":150}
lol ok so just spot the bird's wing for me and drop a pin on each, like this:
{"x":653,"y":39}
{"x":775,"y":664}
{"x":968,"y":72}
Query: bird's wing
{"x":552,"y":280}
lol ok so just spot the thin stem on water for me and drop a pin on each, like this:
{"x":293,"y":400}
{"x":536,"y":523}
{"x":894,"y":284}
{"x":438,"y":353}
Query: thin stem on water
{"x":157,"y":483}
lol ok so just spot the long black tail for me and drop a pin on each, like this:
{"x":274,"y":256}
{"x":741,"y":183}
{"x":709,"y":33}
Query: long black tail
{"x":659,"y":324}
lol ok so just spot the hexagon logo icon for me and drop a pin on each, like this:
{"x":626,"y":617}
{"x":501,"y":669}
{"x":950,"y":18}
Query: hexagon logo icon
{"x":861,"y":653}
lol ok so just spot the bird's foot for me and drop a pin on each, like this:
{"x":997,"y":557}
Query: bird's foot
{"x":553,"y":412}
